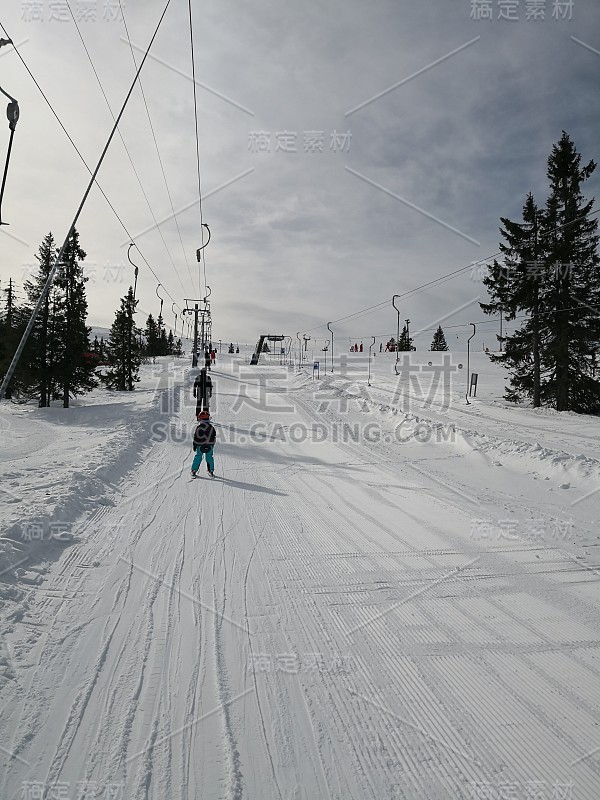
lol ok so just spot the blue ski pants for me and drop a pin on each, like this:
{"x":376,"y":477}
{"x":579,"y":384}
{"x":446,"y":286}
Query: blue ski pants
{"x":210,"y":461}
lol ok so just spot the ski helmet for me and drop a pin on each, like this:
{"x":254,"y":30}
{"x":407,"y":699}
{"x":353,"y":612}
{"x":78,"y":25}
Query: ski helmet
{"x":204,"y":415}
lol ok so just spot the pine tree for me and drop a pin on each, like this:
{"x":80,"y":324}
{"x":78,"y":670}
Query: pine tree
{"x":12,"y":326}
{"x":550,"y":272}
{"x":162,"y":349}
{"x":40,"y":353}
{"x":571,"y":326}
{"x":177,"y":349}
{"x":164,"y":343}
{"x":170,"y":343}
{"x":439,"y":340}
{"x":10,"y":303}
{"x":123,"y":350}
{"x":152,"y":337}
{"x":404,"y":342}
{"x":7,"y":339}
{"x":76,"y":375}
{"x":514,"y":287}
{"x":55,"y":346}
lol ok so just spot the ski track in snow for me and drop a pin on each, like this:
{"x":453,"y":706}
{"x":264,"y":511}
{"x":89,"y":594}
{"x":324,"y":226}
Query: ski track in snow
{"x":317,"y":623}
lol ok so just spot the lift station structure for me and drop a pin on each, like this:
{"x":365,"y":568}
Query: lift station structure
{"x":269,"y":337}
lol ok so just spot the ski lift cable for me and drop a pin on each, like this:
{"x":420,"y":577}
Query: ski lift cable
{"x":156,"y":146}
{"x":12,"y":114}
{"x":15,"y":360}
{"x":202,"y":254}
{"x":139,"y":180}
{"x":77,"y":150}
{"x":454,"y":273}
{"x":146,"y":262}
{"x":487,"y":321}
{"x":481,"y":322}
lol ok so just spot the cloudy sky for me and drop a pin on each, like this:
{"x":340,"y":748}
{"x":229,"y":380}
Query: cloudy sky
{"x":349,"y":150}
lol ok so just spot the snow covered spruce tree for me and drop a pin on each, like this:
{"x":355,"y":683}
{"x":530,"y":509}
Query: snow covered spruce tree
{"x":571,"y":296}
{"x":550,"y":276}
{"x":514,"y":287}
{"x":404,"y":342}
{"x":439,"y":340}
{"x":162,"y":346}
{"x":123,"y":350}
{"x":56,"y":355}
{"x":152,"y":337}
{"x":75,"y":374}
{"x":12,"y":325}
{"x":41,"y":353}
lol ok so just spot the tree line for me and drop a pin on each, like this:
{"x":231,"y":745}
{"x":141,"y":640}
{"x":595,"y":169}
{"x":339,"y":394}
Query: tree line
{"x":548,"y":283}
{"x":405,"y":341}
{"x":58,"y":361}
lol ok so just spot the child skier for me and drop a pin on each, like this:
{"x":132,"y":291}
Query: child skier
{"x":204,"y":442}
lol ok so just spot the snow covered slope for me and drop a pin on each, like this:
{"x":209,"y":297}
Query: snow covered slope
{"x":384,"y":593}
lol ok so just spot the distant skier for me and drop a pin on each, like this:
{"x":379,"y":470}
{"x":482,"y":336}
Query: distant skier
{"x":203,"y":390}
{"x":361,"y":347}
{"x":213,"y":356}
{"x":237,"y":349}
{"x":205,"y":437}
{"x":206,"y":359}
{"x":380,"y":347}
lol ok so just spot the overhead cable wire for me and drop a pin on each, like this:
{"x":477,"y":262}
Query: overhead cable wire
{"x":202,"y":256}
{"x":139,"y":180}
{"x":187,"y":263}
{"x":77,"y":150}
{"x":11,"y":368}
{"x":489,"y":321}
{"x":447,"y":276}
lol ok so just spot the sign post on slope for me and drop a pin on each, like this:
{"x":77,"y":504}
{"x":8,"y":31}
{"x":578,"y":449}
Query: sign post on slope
{"x":473,"y":384}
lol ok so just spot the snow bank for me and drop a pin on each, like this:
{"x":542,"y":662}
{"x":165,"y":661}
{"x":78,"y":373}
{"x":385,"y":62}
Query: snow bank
{"x":560,"y":446}
{"x":57,"y":464}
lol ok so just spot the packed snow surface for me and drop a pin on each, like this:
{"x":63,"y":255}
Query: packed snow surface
{"x":384,"y":593}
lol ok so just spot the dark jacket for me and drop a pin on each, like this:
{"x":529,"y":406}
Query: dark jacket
{"x":203,"y":385}
{"x":205,"y":436}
